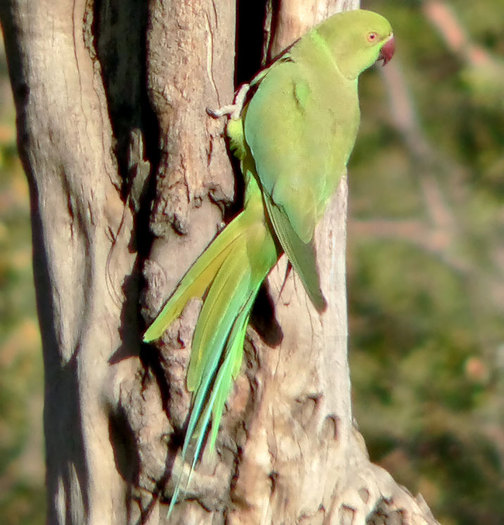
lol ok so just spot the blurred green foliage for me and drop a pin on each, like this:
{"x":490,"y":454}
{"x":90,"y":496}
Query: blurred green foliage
{"x":426,"y":296}
{"x":22,"y":495}
{"x":426,"y":261}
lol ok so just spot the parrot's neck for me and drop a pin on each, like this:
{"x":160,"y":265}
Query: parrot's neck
{"x":321,"y":44}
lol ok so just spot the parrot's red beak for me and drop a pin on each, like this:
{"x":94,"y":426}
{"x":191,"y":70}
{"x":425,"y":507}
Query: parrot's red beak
{"x":387,"y":51}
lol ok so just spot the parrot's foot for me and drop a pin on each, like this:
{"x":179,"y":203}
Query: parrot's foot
{"x":232,"y":110}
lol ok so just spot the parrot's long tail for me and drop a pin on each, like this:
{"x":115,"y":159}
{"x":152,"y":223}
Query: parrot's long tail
{"x":230,"y":271}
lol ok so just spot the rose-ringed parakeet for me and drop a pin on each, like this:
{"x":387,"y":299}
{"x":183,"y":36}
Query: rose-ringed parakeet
{"x":293,"y":137}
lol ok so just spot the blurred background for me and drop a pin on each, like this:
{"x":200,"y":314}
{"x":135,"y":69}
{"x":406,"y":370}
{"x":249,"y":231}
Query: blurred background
{"x":426,"y":257}
{"x":22,"y":495}
{"x":425,"y":271}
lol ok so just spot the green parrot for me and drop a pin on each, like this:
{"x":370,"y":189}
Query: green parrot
{"x":293,"y":137}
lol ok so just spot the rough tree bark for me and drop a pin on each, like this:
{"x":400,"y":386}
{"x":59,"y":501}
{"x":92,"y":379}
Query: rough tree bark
{"x":129,"y":180}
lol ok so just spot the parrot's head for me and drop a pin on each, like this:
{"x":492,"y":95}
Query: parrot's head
{"x":357,"y":39}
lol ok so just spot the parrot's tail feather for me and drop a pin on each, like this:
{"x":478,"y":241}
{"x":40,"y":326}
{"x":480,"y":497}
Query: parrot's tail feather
{"x":220,"y":390}
{"x":227,"y":295}
{"x":231,"y":278}
{"x":212,"y":406}
{"x":197,"y":279}
{"x":228,"y":371}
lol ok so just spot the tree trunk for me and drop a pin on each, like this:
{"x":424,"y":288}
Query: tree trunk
{"x":130,"y":179}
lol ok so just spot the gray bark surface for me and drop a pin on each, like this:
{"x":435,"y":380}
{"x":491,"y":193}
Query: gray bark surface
{"x":130,"y":179}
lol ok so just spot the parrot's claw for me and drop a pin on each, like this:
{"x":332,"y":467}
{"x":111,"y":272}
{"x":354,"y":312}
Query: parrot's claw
{"x":234,"y":110}
{"x":222,"y":112}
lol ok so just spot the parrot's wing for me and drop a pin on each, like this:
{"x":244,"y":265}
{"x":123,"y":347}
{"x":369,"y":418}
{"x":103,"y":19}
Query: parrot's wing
{"x":302,"y":255}
{"x":296,"y":158}
{"x":287,"y":142}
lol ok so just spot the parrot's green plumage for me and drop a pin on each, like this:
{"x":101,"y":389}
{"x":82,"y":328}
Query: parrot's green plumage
{"x":293,"y":139}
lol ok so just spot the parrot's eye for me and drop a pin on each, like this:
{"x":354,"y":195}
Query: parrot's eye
{"x":372,"y":37}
